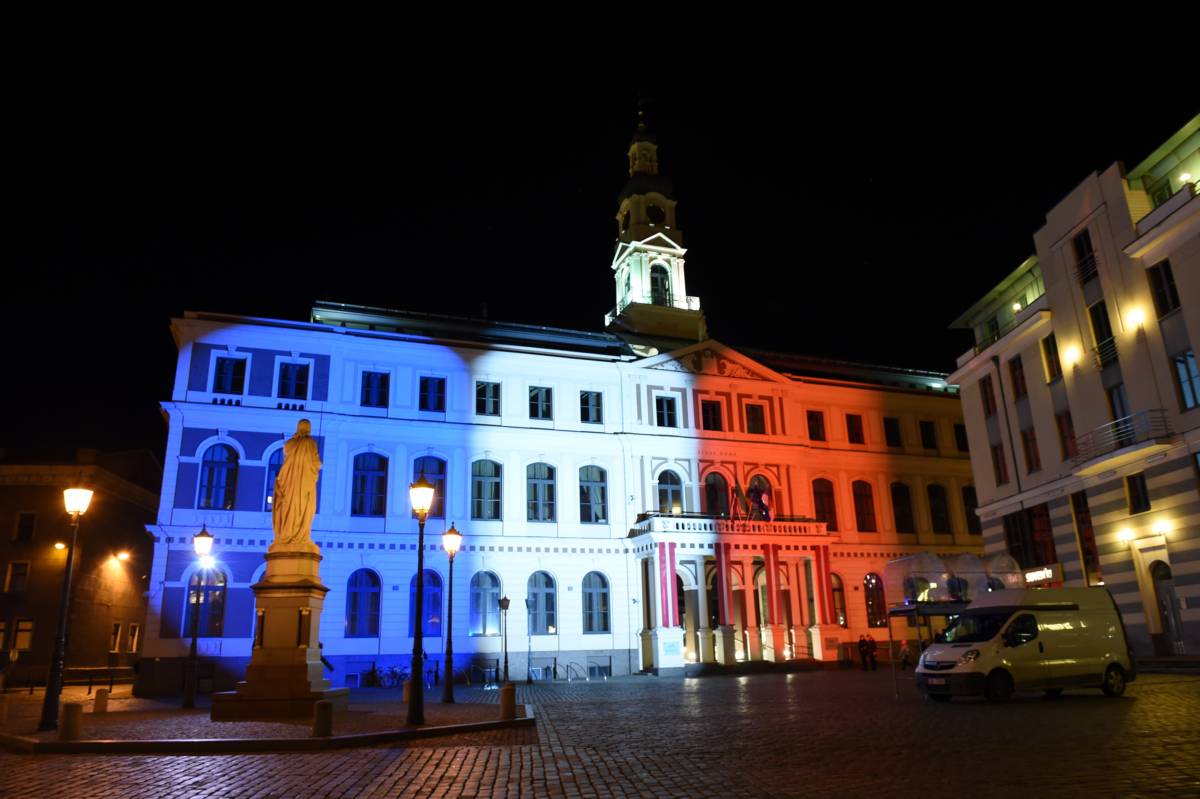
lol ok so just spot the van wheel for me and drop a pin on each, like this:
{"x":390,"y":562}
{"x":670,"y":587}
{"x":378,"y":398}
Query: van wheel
{"x":939,"y":697}
{"x":1114,"y":681}
{"x":999,"y":686}
{"x":1053,"y":693}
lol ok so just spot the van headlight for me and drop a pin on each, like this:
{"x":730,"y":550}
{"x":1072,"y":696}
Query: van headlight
{"x":970,"y":656}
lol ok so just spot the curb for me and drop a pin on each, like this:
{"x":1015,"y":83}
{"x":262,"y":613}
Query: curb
{"x":208,"y":746}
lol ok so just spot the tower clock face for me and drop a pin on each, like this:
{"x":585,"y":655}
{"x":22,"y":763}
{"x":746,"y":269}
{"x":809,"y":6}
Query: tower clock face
{"x":656,"y":214}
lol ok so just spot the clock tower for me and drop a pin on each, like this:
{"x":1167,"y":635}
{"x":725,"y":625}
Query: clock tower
{"x":648,"y":266}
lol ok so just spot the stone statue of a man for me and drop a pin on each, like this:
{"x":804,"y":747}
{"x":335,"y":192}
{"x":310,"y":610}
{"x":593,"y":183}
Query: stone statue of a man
{"x":296,"y":491}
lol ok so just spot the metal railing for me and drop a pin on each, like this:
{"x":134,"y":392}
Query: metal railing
{"x":1105,"y":353}
{"x":991,"y":337}
{"x":707,"y":523}
{"x":1124,"y":432}
{"x":1085,"y":268}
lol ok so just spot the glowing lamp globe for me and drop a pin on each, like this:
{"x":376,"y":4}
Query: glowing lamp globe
{"x":451,"y":540}
{"x":77,"y":500}
{"x":421,"y":494}
{"x":202,"y":543}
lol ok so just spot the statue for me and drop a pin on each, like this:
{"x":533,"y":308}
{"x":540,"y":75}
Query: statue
{"x":296,"y":491}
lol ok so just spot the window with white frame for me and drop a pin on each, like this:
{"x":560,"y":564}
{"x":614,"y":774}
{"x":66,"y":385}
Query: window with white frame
{"x":486,"y":489}
{"x":593,"y":495}
{"x":484,"y":604}
{"x":591,"y":407}
{"x":375,"y":389}
{"x":218,"y":478}
{"x":539,"y":488}
{"x":595,"y":603}
{"x":433,"y":394}
{"x":229,"y":375}
{"x":540,"y":603}
{"x":665,"y":414}
{"x":541,"y":402}
{"x":293,"y":380}
{"x":487,"y":398}
{"x":670,"y":493}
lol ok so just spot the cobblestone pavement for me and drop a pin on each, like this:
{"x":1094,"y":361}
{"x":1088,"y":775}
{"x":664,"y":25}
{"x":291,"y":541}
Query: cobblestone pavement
{"x":809,"y":734}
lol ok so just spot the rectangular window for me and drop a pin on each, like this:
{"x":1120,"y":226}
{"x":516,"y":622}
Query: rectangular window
{"x":1016,"y":370}
{"x":960,"y":438}
{"x":854,"y":429}
{"x":1029,"y":537}
{"x":487,"y":398}
{"x":1106,"y":347}
{"x":541,"y":403}
{"x":114,"y":637}
{"x":710,"y":415}
{"x":135,"y":637}
{"x":999,"y":465}
{"x":756,"y":420}
{"x":1088,"y":550}
{"x":23,"y":635}
{"x":1187,"y":379}
{"x":17,"y":578}
{"x":928,"y":435}
{"x":591,"y":407}
{"x":1050,"y":358}
{"x":891,"y":431}
{"x":293,"y":381}
{"x":229,"y":376}
{"x":1085,"y":257}
{"x":987,"y":395}
{"x":816,"y":425}
{"x":1162,"y":288}
{"x":375,"y":389}
{"x":26,"y":524}
{"x":1138,"y":494}
{"x":664,"y":412}
{"x":1066,"y":435}
{"x":433,"y":395}
{"x":1033,"y":459}
{"x":970,"y":504}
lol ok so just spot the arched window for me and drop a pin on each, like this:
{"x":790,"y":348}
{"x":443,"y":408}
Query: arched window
{"x":486,"y":488}
{"x":939,"y":510}
{"x":839,"y":600}
{"x":716,"y":495}
{"x":218,"y":478}
{"x":207,"y":588}
{"x":362,"y":605}
{"x":670,"y":493}
{"x":823,"y":503}
{"x":758,"y":494}
{"x":541,"y":605}
{"x":434,"y":470}
{"x":432,"y":609}
{"x":902,"y":509}
{"x":485,"y":604}
{"x":595,"y":603}
{"x":368,"y":491}
{"x":660,"y":285}
{"x":539,"y":492}
{"x":593,"y":495}
{"x":273,"y":465}
{"x":864,"y":506}
{"x":873,"y":596}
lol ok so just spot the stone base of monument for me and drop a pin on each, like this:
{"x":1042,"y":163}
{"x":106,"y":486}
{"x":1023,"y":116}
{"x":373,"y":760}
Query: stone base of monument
{"x":285,"y":678}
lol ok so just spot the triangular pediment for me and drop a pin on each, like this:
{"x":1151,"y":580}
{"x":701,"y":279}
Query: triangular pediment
{"x":658,"y":243}
{"x":713,"y":359}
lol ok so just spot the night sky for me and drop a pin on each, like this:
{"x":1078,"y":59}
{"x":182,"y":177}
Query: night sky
{"x":842,"y":221}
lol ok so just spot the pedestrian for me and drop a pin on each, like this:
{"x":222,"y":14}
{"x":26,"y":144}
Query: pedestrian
{"x":905,"y":655}
{"x":872,"y":648}
{"x":862,"y":651}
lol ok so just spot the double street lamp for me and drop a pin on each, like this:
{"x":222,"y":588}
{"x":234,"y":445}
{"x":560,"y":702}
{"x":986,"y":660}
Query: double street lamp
{"x":76,"y":501}
{"x":421,"y":495}
{"x":451,"y":541}
{"x":202,"y":543}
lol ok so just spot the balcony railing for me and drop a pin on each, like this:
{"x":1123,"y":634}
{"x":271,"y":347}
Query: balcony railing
{"x":1144,"y":426}
{"x":990,"y":337}
{"x":1105,"y":353}
{"x":1085,"y":268}
{"x":707,"y":523}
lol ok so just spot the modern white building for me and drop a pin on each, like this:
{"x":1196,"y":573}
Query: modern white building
{"x":656,"y":497}
{"x":1082,"y":397}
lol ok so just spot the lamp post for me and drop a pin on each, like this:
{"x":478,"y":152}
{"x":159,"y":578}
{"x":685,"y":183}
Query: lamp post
{"x":451,"y":541}
{"x":76,"y":501}
{"x":529,"y":635}
{"x":503,"y":603}
{"x":421,"y":494}
{"x":202,"y":545}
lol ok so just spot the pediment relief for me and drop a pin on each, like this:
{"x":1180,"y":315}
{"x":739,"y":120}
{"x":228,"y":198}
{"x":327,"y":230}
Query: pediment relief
{"x":708,"y":361}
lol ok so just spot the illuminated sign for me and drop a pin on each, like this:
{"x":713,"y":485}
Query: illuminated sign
{"x":1043,"y":574}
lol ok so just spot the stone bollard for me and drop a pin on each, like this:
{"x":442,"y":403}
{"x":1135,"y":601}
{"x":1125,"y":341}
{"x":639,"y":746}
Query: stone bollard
{"x":508,"y":701}
{"x":322,"y":726}
{"x":407,"y":690}
{"x":101,"y":703}
{"x":72,"y":721}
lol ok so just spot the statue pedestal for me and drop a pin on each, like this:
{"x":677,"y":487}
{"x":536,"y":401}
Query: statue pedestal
{"x":285,"y":677}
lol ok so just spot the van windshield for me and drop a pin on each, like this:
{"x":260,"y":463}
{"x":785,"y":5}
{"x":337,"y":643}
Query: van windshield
{"x":975,"y":628}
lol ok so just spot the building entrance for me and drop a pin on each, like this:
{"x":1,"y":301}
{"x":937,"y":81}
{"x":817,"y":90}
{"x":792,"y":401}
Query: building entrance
{"x":1170,"y":640}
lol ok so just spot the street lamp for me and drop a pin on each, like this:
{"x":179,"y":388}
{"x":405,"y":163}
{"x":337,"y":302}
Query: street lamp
{"x":76,"y":501}
{"x":503,"y":603}
{"x":421,"y":495}
{"x":529,"y":634}
{"x":451,"y":541}
{"x":202,"y":543}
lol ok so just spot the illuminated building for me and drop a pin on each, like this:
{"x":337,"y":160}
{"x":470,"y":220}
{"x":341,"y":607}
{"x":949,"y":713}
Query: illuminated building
{"x":657,"y":496}
{"x":1082,"y":397}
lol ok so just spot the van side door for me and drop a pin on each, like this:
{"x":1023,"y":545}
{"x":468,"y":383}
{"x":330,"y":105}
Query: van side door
{"x":1025,"y":652}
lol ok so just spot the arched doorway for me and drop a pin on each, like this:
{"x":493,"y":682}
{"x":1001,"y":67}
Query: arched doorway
{"x":1170,"y":640}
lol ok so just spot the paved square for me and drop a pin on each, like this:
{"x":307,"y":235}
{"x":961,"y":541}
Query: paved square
{"x":810,"y":734}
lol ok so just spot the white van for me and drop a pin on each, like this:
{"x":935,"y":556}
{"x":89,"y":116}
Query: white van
{"x":1035,"y":639}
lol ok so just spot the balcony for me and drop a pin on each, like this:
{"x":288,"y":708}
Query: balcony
{"x":1085,"y":268}
{"x":1126,"y":439}
{"x":717,"y":525}
{"x":1105,"y":353}
{"x":662,"y":300}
